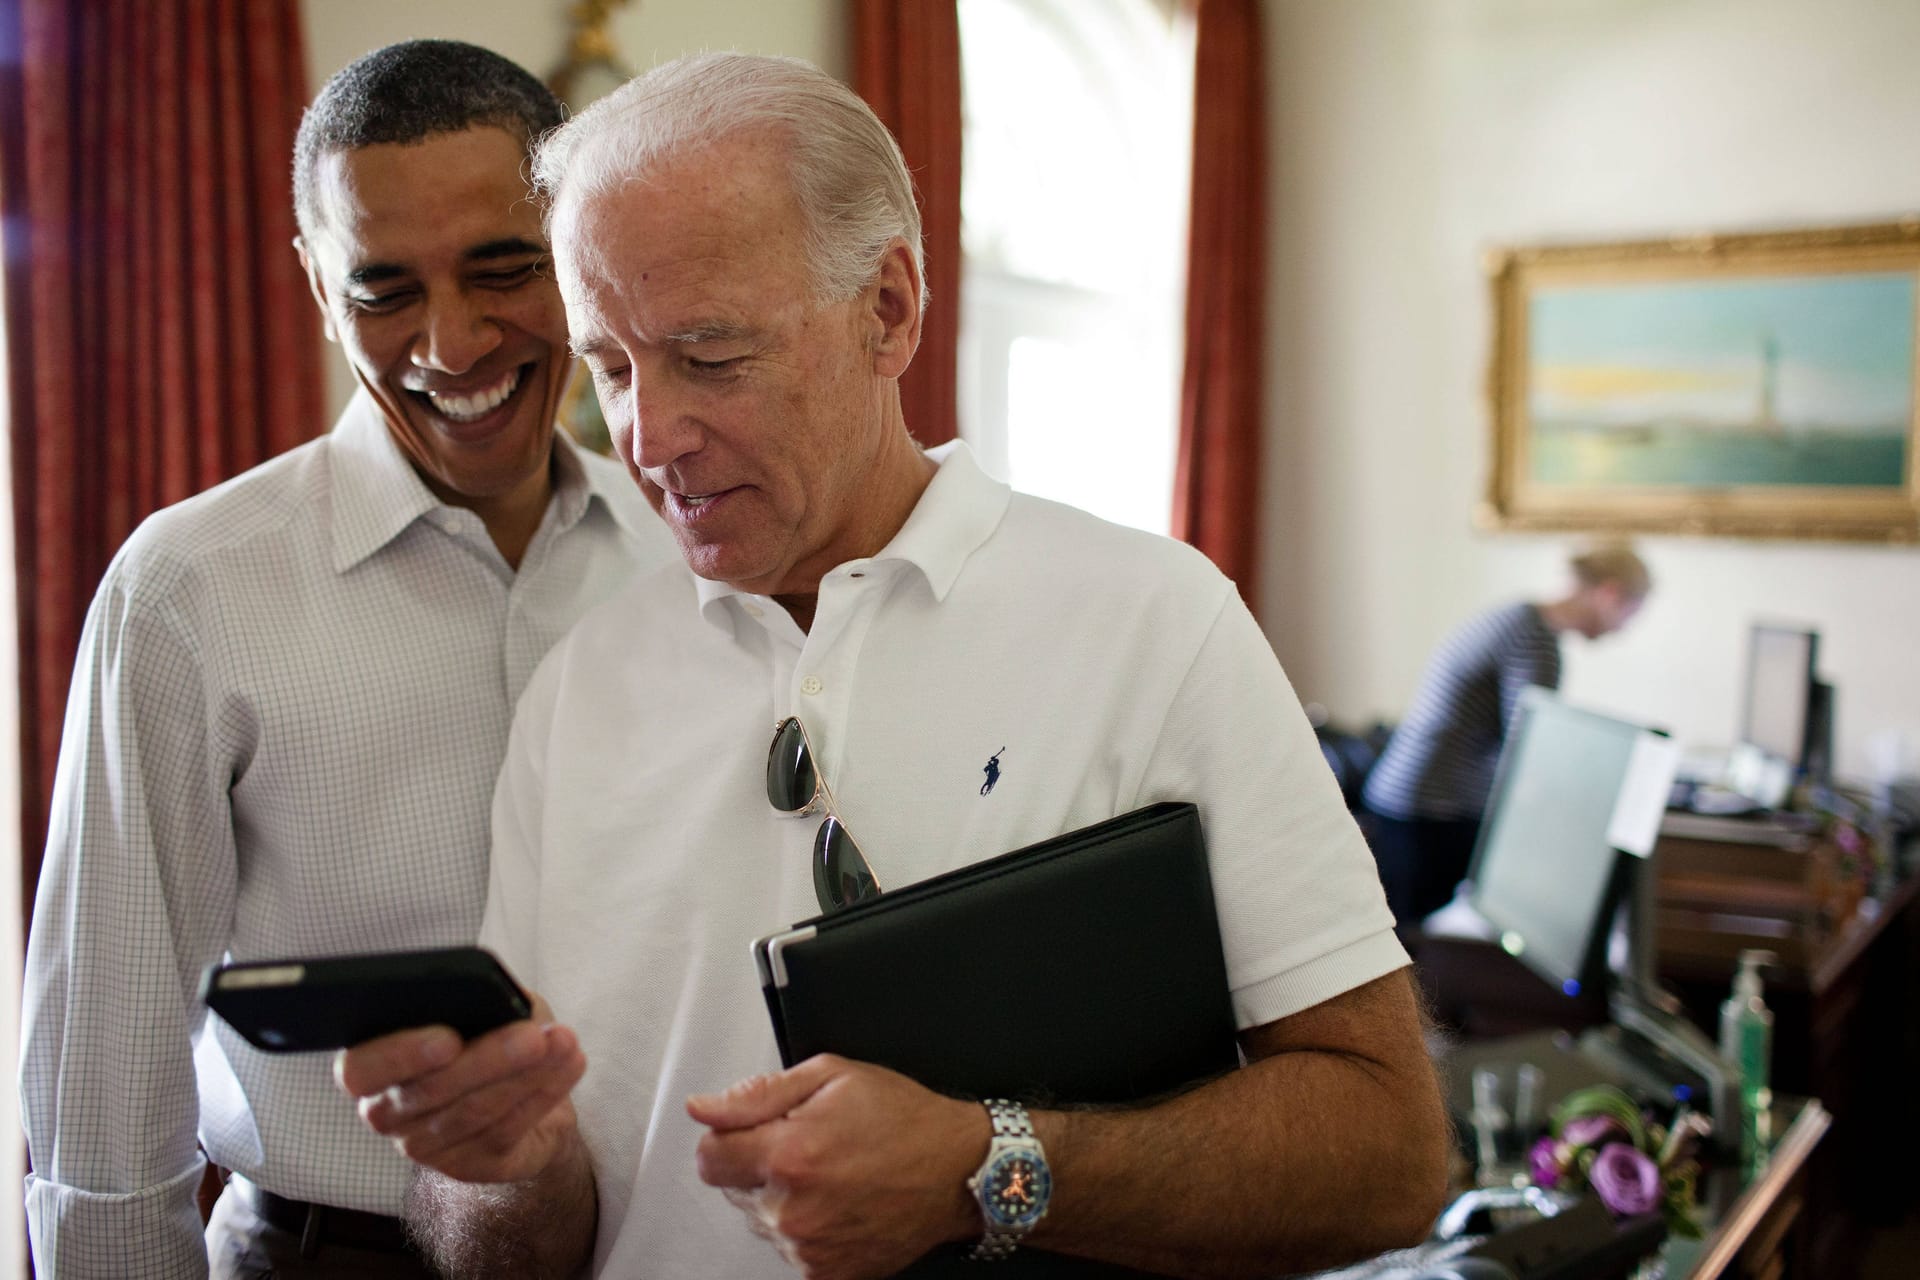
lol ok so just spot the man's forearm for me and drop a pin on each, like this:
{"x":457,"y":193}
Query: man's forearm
{"x":1301,"y":1160}
{"x":540,"y":1229}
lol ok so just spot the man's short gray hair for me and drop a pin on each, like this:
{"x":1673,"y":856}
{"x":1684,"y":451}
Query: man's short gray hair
{"x":848,"y":175}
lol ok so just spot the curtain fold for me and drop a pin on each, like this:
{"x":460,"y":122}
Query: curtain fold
{"x":1216,"y":499}
{"x":907,"y":67}
{"x":159,"y":333}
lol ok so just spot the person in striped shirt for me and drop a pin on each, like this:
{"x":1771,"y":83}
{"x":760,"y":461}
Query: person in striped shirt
{"x":1423,"y":800}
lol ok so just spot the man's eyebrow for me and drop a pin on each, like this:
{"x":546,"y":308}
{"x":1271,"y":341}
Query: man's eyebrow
{"x":692,"y":335}
{"x":509,"y":247}
{"x":505,"y":247}
{"x":375,"y":272}
{"x":709,"y":331}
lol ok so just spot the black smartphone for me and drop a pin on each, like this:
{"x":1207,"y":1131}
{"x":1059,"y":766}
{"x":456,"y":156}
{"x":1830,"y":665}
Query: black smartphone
{"x":287,"y":1006}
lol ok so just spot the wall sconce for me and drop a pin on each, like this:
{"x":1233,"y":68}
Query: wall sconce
{"x":592,"y":65}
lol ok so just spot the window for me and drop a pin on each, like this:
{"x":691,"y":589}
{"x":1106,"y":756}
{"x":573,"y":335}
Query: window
{"x":1077,"y":136}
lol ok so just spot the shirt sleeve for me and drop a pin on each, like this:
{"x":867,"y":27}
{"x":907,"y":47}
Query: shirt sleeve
{"x":1302,"y":914}
{"x":510,"y":926}
{"x":136,"y":895}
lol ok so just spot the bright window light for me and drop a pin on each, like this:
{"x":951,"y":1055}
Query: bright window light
{"x":1078,"y":123}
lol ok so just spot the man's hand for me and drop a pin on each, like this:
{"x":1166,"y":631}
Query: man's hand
{"x":493,"y":1110}
{"x":850,"y":1169}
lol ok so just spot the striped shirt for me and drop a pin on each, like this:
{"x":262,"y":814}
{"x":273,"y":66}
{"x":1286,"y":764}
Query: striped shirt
{"x":291,"y":699}
{"x":1440,"y":760}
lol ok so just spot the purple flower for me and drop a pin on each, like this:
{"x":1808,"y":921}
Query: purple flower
{"x":1543,"y":1158}
{"x":1591,"y":1131}
{"x":1626,"y":1179}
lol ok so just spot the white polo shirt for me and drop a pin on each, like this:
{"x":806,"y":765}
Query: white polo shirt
{"x":636,"y":856}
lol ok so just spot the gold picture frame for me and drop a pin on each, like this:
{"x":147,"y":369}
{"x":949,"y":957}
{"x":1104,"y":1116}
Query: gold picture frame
{"x":1758,"y":385}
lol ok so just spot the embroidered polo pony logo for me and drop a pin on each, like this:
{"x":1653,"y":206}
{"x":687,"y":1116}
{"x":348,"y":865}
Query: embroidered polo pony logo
{"x":992,"y":771}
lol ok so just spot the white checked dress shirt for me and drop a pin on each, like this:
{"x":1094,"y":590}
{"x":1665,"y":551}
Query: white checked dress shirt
{"x":291,"y":700}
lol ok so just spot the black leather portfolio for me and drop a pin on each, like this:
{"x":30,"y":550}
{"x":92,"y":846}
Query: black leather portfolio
{"x":1083,"y":970}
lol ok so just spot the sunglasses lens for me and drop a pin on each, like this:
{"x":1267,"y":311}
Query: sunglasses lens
{"x":841,"y":876}
{"x":791,"y":784}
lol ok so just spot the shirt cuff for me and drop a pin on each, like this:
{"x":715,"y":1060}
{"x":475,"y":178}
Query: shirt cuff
{"x":1320,"y":979}
{"x":154,"y":1233}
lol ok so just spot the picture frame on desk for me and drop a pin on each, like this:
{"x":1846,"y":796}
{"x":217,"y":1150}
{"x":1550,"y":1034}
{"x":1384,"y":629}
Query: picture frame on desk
{"x":1751,"y":385}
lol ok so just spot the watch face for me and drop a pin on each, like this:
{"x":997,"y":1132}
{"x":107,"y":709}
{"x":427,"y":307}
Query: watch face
{"x":1015,"y":1189}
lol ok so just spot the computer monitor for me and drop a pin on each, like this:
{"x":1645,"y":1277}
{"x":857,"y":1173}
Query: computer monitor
{"x":1785,"y":705}
{"x":1576,"y":796}
{"x":1546,"y":874}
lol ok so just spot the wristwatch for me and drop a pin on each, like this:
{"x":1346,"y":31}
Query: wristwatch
{"x":1012,"y":1185}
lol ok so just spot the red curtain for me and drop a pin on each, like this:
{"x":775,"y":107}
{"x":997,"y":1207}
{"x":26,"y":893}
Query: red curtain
{"x":907,"y":66}
{"x":160,"y":337}
{"x":1216,"y":488}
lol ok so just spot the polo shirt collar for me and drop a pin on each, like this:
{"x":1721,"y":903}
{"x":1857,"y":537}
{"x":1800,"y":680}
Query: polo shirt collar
{"x":958,"y":512}
{"x":377,"y":493}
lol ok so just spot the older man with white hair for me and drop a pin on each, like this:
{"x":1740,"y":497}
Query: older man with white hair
{"x":739,"y":252}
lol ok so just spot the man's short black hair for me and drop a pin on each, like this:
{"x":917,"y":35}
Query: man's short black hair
{"x":410,"y":91}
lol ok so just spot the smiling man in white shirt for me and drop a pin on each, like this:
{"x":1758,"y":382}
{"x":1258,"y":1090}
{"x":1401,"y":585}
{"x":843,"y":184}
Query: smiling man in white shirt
{"x":293,"y":695}
{"x":738,"y":247}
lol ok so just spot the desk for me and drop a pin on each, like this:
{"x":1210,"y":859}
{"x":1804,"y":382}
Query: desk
{"x":1756,"y":1220}
{"x":1752,"y":1220}
{"x":1843,"y":1031}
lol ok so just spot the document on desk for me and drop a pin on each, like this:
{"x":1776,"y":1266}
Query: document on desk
{"x":1642,"y":803}
{"x":1085,"y":969}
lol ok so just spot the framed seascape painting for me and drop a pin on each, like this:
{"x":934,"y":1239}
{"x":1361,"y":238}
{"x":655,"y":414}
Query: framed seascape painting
{"x":1749,"y":385}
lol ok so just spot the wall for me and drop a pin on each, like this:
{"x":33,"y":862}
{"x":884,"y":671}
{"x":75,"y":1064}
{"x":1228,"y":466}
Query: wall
{"x":1408,"y":136}
{"x":533,"y":33}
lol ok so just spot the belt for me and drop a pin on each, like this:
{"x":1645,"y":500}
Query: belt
{"x":320,"y":1225}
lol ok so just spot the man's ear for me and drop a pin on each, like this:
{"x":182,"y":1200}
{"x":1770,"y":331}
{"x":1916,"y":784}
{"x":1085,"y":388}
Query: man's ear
{"x":894,"y":301}
{"x":318,"y":288}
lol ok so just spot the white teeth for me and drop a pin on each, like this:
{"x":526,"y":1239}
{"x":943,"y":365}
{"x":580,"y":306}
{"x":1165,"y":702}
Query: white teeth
{"x":466,"y":408}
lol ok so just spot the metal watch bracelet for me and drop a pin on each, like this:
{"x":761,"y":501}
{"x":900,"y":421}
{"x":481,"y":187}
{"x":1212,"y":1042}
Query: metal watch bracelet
{"x":1012,"y":1130}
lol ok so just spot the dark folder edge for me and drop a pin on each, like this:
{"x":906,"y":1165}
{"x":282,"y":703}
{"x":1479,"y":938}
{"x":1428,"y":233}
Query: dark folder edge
{"x":766,"y":950}
{"x":989,"y":868}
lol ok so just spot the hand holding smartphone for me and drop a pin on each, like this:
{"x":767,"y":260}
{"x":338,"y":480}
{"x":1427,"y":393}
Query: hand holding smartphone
{"x":289,"y":1006}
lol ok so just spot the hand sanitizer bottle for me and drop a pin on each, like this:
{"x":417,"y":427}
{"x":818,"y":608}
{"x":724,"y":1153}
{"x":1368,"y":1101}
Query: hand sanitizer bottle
{"x":1746,"y":1041}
